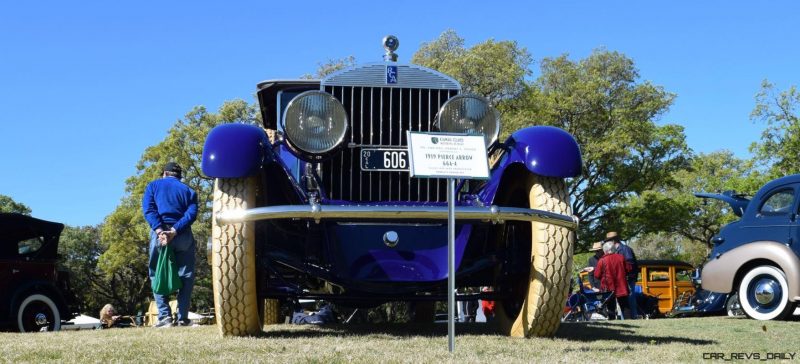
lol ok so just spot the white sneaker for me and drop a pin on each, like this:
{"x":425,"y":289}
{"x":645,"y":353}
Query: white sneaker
{"x":164,"y":323}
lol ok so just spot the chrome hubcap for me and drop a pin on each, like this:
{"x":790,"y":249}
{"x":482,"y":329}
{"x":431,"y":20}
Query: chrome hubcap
{"x":765,"y":291}
{"x":41,"y":319}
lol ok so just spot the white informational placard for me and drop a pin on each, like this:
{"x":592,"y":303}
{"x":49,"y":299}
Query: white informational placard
{"x":445,"y":155}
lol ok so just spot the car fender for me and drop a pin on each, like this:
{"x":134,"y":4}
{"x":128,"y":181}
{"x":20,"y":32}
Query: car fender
{"x":235,"y":151}
{"x":542,"y":150}
{"x":546,"y":151}
{"x":720,"y":274}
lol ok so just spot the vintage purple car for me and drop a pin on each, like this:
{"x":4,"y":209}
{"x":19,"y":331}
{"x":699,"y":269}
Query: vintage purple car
{"x":757,"y":256}
{"x":317,"y":202}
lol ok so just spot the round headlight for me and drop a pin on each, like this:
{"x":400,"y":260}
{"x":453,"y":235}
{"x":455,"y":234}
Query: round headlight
{"x":315,"y":122}
{"x":469,"y":114}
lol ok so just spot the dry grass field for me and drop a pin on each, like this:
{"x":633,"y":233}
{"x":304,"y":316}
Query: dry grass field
{"x":644,"y":341}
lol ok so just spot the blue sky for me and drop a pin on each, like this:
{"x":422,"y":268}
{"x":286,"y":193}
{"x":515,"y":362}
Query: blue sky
{"x":85,"y":87}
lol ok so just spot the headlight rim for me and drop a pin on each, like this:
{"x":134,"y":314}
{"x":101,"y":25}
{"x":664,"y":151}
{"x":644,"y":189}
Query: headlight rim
{"x":497,"y":119}
{"x":314,"y":155}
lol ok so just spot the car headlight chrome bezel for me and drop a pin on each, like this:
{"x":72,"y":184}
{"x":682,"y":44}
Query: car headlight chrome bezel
{"x":455,"y":113}
{"x":324,"y":110}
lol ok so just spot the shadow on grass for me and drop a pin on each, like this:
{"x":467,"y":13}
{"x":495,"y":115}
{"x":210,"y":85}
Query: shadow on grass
{"x":393,"y":329}
{"x":583,"y":332}
{"x":590,"y":332}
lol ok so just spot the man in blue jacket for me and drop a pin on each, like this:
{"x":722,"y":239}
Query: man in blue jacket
{"x":170,"y":208}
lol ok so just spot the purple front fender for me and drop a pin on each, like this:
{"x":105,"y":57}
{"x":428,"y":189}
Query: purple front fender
{"x":543,"y":150}
{"x":235,"y":151}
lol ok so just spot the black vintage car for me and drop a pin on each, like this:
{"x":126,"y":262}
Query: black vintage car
{"x":36,"y":295}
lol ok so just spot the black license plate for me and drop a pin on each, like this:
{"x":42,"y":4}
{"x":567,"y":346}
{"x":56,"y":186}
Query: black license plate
{"x":384,"y":160}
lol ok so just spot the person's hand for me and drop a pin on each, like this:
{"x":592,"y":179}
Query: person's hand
{"x":162,"y":238}
{"x":588,"y":269}
{"x":595,"y":290}
{"x":169,"y":235}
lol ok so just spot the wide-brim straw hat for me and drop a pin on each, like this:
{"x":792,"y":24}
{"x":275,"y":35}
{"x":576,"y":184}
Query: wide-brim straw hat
{"x":596,"y":246}
{"x":612,"y":235}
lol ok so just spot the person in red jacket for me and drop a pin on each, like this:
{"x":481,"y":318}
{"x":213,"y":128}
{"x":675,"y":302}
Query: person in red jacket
{"x":488,"y":306}
{"x":611,"y":271}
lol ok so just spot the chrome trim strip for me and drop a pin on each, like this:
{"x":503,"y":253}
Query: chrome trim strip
{"x":318,"y":212}
{"x":380,"y":138}
{"x":391,"y":121}
{"x":414,"y":224}
{"x":428,"y":180}
{"x":341,"y":161}
{"x":352,"y":102}
{"x":419,"y":122}
{"x":361,"y":139}
{"x":371,"y":128}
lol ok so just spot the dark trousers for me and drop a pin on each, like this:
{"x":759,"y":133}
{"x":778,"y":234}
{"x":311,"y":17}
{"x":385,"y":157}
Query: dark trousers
{"x":612,"y":306}
{"x":183,"y":246}
{"x":632,"y":304}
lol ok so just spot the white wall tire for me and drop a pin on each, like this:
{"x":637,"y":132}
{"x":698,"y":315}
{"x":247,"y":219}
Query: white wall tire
{"x":233,"y":265}
{"x":37,"y":312}
{"x":540,"y":311}
{"x":763,"y":294}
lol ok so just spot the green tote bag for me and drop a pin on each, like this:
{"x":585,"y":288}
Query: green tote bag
{"x":166,"y":280}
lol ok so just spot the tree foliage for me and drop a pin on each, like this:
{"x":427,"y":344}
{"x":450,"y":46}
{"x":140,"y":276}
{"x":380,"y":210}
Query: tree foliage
{"x":671,"y":247}
{"x":780,"y":140}
{"x":600,"y":100}
{"x":124,"y":263}
{"x":492,"y":69}
{"x":80,"y":248}
{"x":612,"y":115}
{"x":331,"y":66}
{"x":7,"y":204}
{"x":671,"y":223}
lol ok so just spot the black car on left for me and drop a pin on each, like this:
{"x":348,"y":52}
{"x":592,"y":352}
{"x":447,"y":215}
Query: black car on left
{"x":36,"y":294}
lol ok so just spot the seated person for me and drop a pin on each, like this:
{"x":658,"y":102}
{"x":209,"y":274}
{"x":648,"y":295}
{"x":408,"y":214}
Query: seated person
{"x":109,"y":318}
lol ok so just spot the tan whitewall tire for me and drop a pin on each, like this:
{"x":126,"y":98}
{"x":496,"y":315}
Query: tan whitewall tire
{"x":551,"y":265}
{"x":271,"y":313}
{"x":233,"y":263}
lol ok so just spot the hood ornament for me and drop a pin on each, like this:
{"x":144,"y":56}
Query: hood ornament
{"x":390,"y":44}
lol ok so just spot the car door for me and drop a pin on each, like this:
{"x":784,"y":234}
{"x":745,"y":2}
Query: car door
{"x":656,"y":283}
{"x":776,"y":217}
{"x":682,"y":285}
{"x":21,"y":266}
{"x":5,"y":274}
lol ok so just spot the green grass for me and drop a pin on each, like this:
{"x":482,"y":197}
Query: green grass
{"x":654,"y":341}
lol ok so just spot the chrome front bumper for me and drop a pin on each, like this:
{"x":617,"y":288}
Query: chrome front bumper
{"x":318,"y":212}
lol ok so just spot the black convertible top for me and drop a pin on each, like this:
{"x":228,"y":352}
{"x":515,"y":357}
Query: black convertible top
{"x":16,"y":227}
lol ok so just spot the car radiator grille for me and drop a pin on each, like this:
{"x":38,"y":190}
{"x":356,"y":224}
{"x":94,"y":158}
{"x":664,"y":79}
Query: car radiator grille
{"x":379,"y":118}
